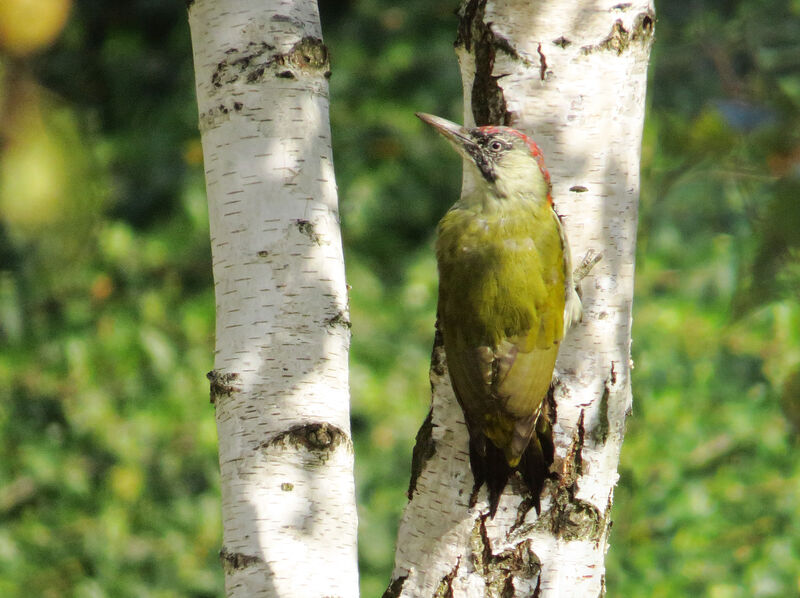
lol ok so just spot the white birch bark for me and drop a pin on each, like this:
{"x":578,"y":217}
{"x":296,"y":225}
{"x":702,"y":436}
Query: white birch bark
{"x":280,"y":381}
{"x":572,"y":75}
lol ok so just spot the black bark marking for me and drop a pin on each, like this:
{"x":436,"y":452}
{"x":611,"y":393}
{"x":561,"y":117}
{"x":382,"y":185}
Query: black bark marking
{"x":339,"y":319}
{"x":643,"y":26}
{"x":438,"y":358}
{"x":256,"y":74}
{"x":578,"y":189}
{"x":562,"y":42}
{"x":475,"y":35}
{"x":314,"y":437}
{"x":318,"y":438}
{"x":288,"y":19}
{"x":542,"y":63}
{"x":235,"y":561}
{"x":217,"y":114}
{"x":600,"y":430}
{"x":306,"y":227}
{"x":551,"y":409}
{"x":620,"y":39}
{"x":577,"y":449}
{"x":445,"y":589}
{"x":394,"y":589}
{"x":467,"y":14}
{"x":525,"y":505}
{"x":222,"y":384}
{"x":240,"y":63}
{"x":501,"y":43}
{"x":309,"y":56}
{"x":424,"y":449}
{"x":573,"y":462}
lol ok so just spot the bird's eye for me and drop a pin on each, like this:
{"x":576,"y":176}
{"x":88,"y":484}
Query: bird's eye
{"x":495,"y":146}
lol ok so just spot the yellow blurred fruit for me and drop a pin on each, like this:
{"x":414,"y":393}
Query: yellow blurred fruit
{"x":29,"y":25}
{"x":48,"y":182}
{"x":34,"y":175}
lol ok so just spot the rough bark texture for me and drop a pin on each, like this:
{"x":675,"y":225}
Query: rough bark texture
{"x":279,"y":383}
{"x":572,"y":75}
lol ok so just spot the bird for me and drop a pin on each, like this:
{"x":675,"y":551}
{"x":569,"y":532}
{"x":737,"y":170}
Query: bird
{"x":506,"y":299}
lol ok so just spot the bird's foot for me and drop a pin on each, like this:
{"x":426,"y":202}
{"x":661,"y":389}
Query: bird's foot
{"x":586,"y":265}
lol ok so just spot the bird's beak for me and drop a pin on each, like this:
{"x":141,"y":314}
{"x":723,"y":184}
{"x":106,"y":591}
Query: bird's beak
{"x":455,"y":134}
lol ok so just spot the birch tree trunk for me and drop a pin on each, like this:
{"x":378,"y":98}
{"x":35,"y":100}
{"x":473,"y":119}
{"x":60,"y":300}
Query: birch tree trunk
{"x":280,"y":382}
{"x":572,"y":75}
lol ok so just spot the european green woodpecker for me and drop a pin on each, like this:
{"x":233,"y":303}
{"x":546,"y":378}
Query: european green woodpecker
{"x":506,"y":298}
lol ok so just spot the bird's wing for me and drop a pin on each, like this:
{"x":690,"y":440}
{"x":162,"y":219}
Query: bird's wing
{"x":523,"y":376}
{"x":501,"y":387}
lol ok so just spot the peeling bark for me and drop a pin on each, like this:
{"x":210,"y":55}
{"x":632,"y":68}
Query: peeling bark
{"x":572,"y":75}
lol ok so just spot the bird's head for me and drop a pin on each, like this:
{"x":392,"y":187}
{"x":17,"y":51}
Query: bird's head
{"x":507,"y":163}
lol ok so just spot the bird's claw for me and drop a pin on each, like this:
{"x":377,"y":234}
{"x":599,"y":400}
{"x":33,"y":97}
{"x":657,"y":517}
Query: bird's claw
{"x":586,"y":265}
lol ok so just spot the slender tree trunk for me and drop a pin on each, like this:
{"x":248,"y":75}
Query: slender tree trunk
{"x":280,"y":377}
{"x":573,"y":76}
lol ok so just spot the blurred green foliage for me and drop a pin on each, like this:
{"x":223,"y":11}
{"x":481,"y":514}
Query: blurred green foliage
{"x":108,"y":471}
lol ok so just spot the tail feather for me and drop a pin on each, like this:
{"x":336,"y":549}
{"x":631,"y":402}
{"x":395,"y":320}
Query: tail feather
{"x":490,"y":467}
{"x":534,"y":468}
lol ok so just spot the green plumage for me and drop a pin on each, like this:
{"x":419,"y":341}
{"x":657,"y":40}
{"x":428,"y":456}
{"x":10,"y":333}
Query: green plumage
{"x":501,"y":314}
